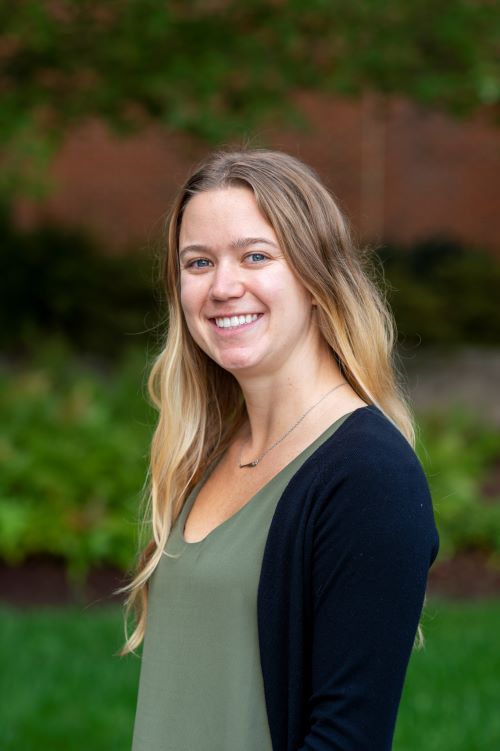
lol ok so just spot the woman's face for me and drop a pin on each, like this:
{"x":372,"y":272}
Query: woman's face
{"x":242,"y":304}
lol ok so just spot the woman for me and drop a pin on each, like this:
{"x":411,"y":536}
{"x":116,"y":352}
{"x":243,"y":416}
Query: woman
{"x":292,"y":527}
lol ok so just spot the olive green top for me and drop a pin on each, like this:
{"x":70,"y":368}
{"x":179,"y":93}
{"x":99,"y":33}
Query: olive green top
{"x":201,"y":685}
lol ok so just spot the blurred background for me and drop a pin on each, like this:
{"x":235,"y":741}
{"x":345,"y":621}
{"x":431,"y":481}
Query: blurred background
{"x":104,"y":109}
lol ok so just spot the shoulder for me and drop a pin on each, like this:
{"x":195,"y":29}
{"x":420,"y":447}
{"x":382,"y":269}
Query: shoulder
{"x":368,"y":482}
{"x":367,"y":448}
{"x":364,"y":479}
{"x":361,"y":498}
{"x":366,"y":470}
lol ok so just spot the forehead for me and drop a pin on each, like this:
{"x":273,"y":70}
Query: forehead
{"x":223,"y":214}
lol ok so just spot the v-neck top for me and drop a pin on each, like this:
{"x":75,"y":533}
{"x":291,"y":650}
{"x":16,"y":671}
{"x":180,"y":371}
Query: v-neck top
{"x":201,"y":684}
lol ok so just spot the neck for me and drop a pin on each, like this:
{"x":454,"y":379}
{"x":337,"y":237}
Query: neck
{"x":275,"y":402}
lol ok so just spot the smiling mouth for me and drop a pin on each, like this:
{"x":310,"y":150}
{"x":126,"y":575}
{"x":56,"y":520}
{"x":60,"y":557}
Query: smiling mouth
{"x":235,"y":322}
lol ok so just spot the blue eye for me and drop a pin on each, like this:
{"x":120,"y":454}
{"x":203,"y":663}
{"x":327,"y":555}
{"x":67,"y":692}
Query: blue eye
{"x":197,"y":260}
{"x":260,"y":255}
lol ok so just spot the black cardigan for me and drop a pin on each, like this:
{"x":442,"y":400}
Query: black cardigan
{"x":341,"y":589}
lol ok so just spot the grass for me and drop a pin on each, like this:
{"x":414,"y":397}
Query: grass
{"x":64,"y":690}
{"x":62,"y":687}
{"x":450,"y":700}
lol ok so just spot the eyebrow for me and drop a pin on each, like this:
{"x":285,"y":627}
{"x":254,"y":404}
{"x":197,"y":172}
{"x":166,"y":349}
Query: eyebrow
{"x":241,"y":242}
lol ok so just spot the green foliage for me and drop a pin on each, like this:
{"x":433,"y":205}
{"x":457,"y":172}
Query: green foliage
{"x":54,"y":282}
{"x":460,"y":454}
{"x":442,"y":293}
{"x":218,"y":69}
{"x":73,"y":449}
{"x":74,"y":442}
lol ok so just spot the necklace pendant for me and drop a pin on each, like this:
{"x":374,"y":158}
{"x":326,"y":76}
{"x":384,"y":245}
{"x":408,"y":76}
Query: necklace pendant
{"x":256,"y":461}
{"x":250,"y":464}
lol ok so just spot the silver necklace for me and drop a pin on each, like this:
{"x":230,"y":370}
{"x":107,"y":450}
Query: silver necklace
{"x":256,"y":461}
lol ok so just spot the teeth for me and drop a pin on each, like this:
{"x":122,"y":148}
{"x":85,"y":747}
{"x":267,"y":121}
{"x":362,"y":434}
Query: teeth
{"x":235,"y":321}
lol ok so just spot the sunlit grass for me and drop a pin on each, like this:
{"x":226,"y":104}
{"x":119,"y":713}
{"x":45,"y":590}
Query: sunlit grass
{"x":64,"y":689}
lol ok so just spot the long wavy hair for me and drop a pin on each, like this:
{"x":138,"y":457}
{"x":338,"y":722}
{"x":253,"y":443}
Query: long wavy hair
{"x":201,"y":405}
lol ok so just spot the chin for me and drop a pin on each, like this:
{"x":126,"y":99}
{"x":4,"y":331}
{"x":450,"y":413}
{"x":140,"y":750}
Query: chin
{"x":236,"y":364}
{"x":236,"y":367}
{"x":234,"y":360}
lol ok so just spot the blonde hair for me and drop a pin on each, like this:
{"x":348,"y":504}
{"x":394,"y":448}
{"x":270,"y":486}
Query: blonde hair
{"x":201,"y":405}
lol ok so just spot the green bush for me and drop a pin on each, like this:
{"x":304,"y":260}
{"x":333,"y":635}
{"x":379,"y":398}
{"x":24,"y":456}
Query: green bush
{"x":74,"y":443}
{"x":73,"y":448}
{"x":460,"y":454}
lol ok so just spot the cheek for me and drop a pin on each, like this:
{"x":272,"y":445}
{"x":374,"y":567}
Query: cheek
{"x":289,"y":294}
{"x":184,"y":298}
{"x":189,"y":296}
{"x":273,"y":288}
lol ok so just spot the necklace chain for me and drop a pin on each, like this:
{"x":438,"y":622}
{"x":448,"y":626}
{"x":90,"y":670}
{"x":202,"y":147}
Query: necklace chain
{"x":256,"y":461}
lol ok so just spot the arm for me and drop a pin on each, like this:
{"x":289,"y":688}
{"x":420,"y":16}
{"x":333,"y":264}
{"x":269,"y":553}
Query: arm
{"x":374,"y":542}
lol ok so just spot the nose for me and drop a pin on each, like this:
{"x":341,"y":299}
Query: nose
{"x":226,"y":282}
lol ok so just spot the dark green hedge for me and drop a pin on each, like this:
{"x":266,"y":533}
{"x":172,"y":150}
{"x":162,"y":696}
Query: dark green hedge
{"x":58,"y":283}
{"x":442,"y":293}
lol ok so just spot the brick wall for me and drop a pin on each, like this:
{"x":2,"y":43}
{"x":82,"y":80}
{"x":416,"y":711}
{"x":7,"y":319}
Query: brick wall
{"x":400,"y":172}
